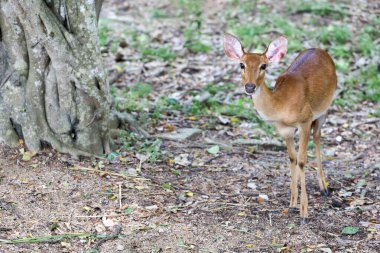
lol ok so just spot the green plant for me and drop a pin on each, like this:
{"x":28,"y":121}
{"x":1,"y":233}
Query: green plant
{"x":135,"y":97}
{"x":193,"y":31}
{"x":334,"y":34}
{"x":104,"y":31}
{"x":151,"y":149}
{"x":215,"y":88}
{"x":140,"y":90}
{"x":247,"y":32}
{"x":371,"y":79}
{"x":163,"y":53}
{"x":349,"y":95}
{"x":317,"y":8}
{"x":365,"y":44}
{"x":341,"y":51}
{"x":157,"y":13}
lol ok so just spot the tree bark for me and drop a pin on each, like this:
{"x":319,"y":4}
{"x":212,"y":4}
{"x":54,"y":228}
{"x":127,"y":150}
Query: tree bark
{"x":53,"y":86}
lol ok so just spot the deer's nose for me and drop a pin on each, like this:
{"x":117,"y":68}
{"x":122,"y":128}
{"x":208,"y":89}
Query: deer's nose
{"x":250,"y":88}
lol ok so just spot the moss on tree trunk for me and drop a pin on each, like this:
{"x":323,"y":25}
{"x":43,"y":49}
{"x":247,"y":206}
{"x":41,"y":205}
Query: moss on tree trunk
{"x":53,"y":86}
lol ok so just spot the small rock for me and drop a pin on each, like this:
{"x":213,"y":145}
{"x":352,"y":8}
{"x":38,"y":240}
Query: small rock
{"x":120,"y":247}
{"x":182,"y":159}
{"x":335,"y":120}
{"x":132,"y":172}
{"x":327,"y":250}
{"x":152,"y":207}
{"x":264,"y":197}
{"x":223,"y":120}
{"x":252,"y":186}
{"x":339,"y":138}
{"x":65,"y":244}
{"x":330,"y":152}
{"x":258,"y":132}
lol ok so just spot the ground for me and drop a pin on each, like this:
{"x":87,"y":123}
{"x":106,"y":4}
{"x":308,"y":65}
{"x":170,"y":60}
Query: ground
{"x":213,"y":191}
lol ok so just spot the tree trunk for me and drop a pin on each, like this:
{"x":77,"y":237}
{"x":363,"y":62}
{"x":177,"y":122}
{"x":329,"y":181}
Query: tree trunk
{"x":53,"y":86}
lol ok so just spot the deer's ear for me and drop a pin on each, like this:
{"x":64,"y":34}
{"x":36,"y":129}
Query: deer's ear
{"x":277,"y":49}
{"x":232,"y":47}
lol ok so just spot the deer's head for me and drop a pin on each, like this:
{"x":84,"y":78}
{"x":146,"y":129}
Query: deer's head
{"x":253,"y":65}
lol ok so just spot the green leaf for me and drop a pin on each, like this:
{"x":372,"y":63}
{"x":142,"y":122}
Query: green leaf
{"x":350,"y":230}
{"x":167,"y":186}
{"x":128,"y":210}
{"x":112,"y":156}
{"x":361,"y":183}
{"x":213,"y":150}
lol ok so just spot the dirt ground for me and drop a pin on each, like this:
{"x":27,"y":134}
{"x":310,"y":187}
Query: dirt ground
{"x":192,"y":200}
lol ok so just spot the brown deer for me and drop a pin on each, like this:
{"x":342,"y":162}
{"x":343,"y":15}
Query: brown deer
{"x":299,"y":100}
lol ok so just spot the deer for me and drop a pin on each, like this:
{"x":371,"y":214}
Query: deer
{"x":298,"y":102}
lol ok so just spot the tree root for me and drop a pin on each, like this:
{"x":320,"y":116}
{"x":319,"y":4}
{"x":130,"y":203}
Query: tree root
{"x":126,"y":118}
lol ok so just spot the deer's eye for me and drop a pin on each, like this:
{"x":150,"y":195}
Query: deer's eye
{"x":242,"y":66}
{"x":263,"y":67}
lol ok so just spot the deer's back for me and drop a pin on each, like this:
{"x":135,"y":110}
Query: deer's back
{"x":311,"y":78}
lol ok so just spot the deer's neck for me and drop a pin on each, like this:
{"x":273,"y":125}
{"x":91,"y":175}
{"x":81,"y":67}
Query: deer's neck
{"x":265,"y":103}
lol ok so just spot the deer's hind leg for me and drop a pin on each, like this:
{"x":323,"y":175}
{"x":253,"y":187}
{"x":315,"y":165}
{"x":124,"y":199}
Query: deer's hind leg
{"x":316,"y":126}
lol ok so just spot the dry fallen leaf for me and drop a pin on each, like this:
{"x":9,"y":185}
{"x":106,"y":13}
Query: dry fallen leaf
{"x":107,"y":222}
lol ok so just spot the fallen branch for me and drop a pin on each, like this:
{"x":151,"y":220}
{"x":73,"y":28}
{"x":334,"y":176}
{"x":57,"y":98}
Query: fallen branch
{"x":267,"y":143}
{"x":106,"y":172}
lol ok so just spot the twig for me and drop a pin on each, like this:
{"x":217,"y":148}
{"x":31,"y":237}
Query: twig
{"x":270,"y":219}
{"x":106,"y":172}
{"x":267,"y":143}
{"x":101,"y":216}
{"x":120,"y":207}
{"x":366,"y":121}
{"x":228,"y":204}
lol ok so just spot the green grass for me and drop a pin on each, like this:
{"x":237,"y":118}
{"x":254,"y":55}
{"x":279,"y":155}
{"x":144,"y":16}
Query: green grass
{"x":370,"y":76}
{"x":319,"y":8}
{"x":191,"y":11}
{"x":339,"y":34}
{"x":135,"y":98}
{"x":104,"y":31}
{"x":365,"y":44}
{"x":157,"y":13}
{"x":247,"y":32}
{"x":163,"y":53}
{"x":140,"y":90}
{"x":364,"y":86}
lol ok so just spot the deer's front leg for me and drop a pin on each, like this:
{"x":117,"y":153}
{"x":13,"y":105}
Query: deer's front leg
{"x":301,"y":162}
{"x":293,"y":172}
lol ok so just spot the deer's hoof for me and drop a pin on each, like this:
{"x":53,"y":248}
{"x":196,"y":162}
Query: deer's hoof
{"x":293,"y":210}
{"x":325,"y":192}
{"x":303,"y":221}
